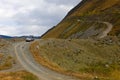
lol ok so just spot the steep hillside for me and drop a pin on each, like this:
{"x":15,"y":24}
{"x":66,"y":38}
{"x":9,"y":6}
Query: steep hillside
{"x":94,"y":58}
{"x":83,"y":58}
{"x":88,"y":19}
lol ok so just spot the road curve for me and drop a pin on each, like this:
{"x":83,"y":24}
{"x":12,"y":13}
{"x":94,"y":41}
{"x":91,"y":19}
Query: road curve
{"x":106,"y":31}
{"x":109,"y":28}
{"x":27,"y":61}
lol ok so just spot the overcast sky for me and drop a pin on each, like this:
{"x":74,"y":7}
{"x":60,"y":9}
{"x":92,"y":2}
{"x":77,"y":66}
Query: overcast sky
{"x":32,"y":17}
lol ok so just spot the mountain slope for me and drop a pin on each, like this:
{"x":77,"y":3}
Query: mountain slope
{"x":87,"y":20}
{"x":88,"y":59}
{"x":83,"y":58}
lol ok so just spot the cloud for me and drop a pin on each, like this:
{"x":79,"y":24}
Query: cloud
{"x":22,"y":30}
{"x":63,"y":2}
{"x":35,"y":17}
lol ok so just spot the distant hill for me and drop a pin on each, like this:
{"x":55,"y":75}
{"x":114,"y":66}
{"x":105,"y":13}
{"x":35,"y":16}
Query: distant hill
{"x":4,"y":36}
{"x":35,"y":37}
{"x":88,"y":19}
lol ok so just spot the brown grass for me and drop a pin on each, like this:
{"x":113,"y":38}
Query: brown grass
{"x":7,"y":64}
{"x":115,"y":75}
{"x":20,"y":75}
{"x":1,"y":55}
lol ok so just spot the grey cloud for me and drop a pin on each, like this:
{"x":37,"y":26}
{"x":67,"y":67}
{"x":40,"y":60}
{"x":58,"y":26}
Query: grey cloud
{"x":63,"y":2}
{"x":32,"y":16}
{"x":40,"y":17}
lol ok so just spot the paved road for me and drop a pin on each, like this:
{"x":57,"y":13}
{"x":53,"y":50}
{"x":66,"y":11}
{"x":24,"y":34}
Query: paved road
{"x":27,"y":61}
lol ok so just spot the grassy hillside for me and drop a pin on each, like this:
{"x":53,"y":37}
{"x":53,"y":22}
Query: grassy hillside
{"x":85,"y":15}
{"x":81,"y":58}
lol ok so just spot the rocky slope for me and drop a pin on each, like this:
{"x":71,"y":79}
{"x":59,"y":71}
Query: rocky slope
{"x":87,"y":20}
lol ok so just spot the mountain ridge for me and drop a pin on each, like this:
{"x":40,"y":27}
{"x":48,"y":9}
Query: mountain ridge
{"x":95,"y":11}
{"x":5,"y":36}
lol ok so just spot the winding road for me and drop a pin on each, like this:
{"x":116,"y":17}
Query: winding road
{"x":27,"y":61}
{"x":108,"y":29}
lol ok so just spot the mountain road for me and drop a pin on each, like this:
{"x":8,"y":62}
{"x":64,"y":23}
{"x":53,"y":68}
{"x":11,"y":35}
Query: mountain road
{"x":27,"y":61}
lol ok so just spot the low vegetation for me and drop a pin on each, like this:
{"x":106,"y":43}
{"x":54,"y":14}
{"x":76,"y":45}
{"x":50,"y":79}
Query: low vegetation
{"x":81,"y":58}
{"x":3,"y":44}
{"x":20,"y":75}
{"x":5,"y":62}
{"x":1,"y":55}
